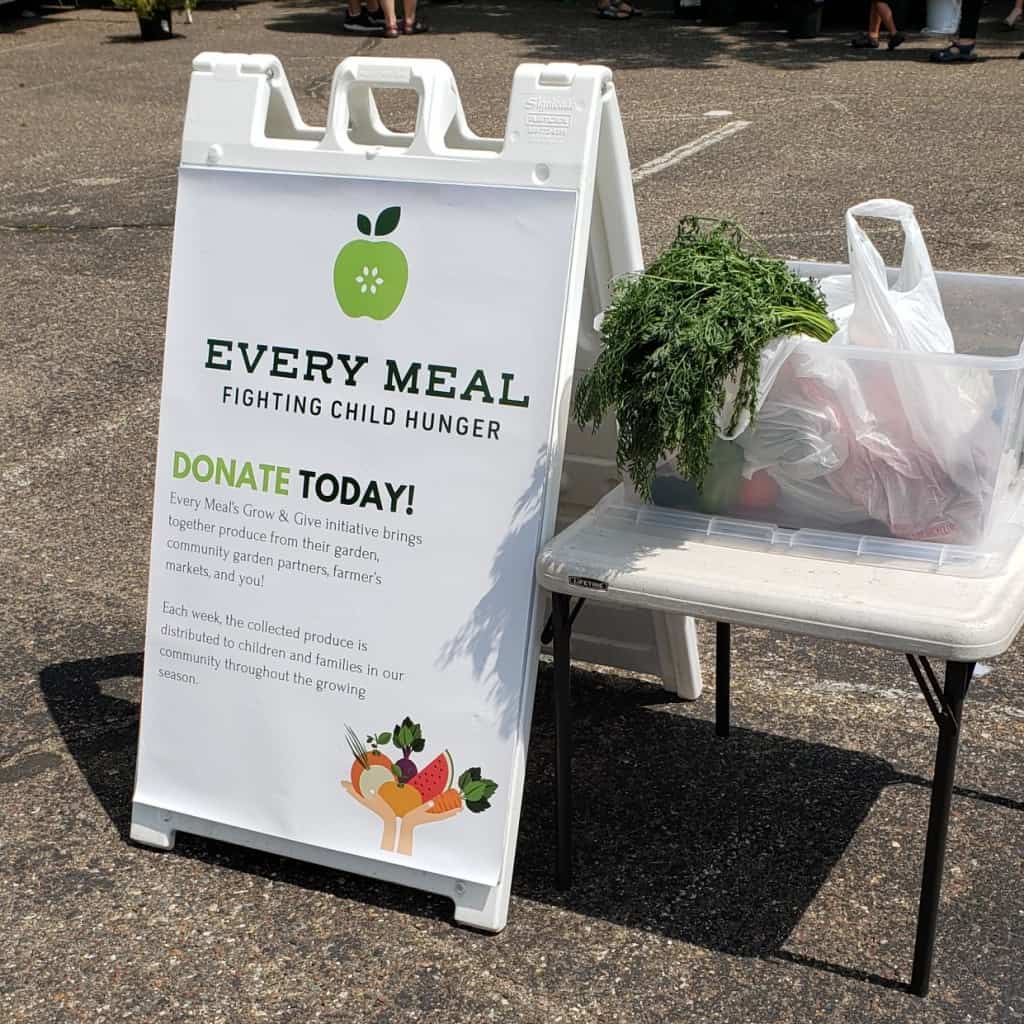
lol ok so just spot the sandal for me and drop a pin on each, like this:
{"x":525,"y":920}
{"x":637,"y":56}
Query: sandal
{"x":615,"y":10}
{"x":391,"y":32}
{"x":952,"y":54}
{"x":413,"y":28}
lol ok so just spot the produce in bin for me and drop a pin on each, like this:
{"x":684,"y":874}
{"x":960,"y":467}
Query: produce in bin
{"x":677,"y":334}
{"x":712,"y":361}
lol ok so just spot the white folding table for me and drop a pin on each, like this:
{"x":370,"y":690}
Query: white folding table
{"x":960,"y":619}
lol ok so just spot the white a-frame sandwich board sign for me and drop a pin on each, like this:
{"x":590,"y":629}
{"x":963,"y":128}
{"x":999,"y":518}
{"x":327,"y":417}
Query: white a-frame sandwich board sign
{"x":370,"y":346}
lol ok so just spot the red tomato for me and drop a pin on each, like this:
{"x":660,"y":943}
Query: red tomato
{"x":760,"y":491}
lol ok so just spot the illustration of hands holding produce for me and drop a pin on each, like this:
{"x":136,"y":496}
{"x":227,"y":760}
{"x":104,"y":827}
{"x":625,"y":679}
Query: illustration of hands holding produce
{"x":403,"y":796}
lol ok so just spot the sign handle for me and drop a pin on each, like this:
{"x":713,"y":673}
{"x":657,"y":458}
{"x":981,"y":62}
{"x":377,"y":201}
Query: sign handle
{"x":351,"y":103}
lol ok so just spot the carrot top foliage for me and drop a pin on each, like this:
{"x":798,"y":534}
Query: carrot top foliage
{"x":675,"y":334}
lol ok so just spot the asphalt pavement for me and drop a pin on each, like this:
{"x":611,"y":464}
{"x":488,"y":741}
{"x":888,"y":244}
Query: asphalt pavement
{"x":770,"y":878}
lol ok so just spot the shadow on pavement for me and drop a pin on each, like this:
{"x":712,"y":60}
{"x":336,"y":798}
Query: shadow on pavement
{"x":25,"y":14}
{"x":94,"y":704}
{"x":570,"y":31}
{"x":720,"y":844}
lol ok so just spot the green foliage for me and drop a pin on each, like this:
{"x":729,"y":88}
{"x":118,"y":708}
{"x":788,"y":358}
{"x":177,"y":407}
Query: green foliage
{"x":677,"y":333}
{"x":150,"y":8}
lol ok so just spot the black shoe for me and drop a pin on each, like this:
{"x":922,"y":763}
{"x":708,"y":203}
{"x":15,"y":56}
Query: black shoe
{"x":897,"y":40}
{"x":864,"y":42}
{"x":953,"y":54}
{"x":361,"y":23}
{"x":376,"y":17}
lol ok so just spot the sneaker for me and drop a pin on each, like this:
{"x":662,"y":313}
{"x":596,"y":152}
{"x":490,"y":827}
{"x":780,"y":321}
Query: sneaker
{"x":361,"y":23}
{"x":376,"y":17}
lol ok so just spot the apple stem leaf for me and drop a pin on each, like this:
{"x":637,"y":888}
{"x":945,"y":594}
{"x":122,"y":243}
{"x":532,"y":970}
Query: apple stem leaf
{"x":387,"y":221}
{"x":363,"y":223}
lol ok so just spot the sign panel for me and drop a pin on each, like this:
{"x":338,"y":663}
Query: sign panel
{"x":358,"y":393}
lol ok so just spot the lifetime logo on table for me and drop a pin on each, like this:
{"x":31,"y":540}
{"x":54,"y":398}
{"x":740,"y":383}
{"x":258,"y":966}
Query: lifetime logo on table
{"x":370,"y":277}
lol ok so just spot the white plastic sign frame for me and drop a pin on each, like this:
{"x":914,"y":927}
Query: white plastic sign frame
{"x":563,"y":135}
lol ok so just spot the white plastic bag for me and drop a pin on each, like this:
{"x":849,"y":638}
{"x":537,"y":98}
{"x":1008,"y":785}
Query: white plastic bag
{"x":928,"y":480}
{"x":906,"y":316}
{"x":893,"y":439}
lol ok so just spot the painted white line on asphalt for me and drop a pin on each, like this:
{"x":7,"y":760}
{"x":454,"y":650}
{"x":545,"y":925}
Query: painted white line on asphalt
{"x":688,"y":149}
{"x":718,"y":113}
{"x":19,"y":47}
{"x":59,"y":83}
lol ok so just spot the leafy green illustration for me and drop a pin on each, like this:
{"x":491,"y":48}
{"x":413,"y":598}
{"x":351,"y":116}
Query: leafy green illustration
{"x":476,"y":790}
{"x":387,"y":221}
{"x":363,"y":223}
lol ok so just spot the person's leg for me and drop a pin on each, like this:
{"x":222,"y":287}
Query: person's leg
{"x":962,"y":48}
{"x":390,"y":19}
{"x":896,"y":37}
{"x":409,"y":23}
{"x":363,"y":21}
{"x":970,"y":14}
{"x":884,"y":15}
{"x":869,"y":39}
{"x":875,"y":19}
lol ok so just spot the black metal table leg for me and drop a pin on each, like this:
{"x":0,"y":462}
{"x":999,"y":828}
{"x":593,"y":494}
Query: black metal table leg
{"x":958,"y":678}
{"x":561,"y":622}
{"x":723,"y":676}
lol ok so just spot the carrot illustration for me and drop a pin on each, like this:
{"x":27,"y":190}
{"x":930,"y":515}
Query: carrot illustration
{"x":449,"y":800}
{"x":473,"y":789}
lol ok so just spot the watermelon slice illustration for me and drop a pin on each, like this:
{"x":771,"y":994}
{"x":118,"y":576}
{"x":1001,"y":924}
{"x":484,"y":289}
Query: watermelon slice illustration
{"x":433,"y":780}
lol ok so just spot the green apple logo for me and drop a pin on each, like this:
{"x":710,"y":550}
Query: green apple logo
{"x":370,"y":277}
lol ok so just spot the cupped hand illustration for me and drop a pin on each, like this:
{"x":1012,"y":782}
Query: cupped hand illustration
{"x":381,"y":808}
{"x":420,"y":816}
{"x":405,"y":794}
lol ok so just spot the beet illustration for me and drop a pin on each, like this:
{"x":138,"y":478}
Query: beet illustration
{"x":409,"y":739}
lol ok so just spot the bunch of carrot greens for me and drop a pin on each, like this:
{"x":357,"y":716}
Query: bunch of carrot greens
{"x":676,"y":334}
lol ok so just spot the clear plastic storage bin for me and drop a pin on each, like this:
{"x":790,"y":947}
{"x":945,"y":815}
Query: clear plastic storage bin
{"x":982,"y":494}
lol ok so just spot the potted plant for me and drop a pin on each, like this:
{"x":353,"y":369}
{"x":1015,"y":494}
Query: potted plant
{"x":154,"y":16}
{"x":804,"y":18}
